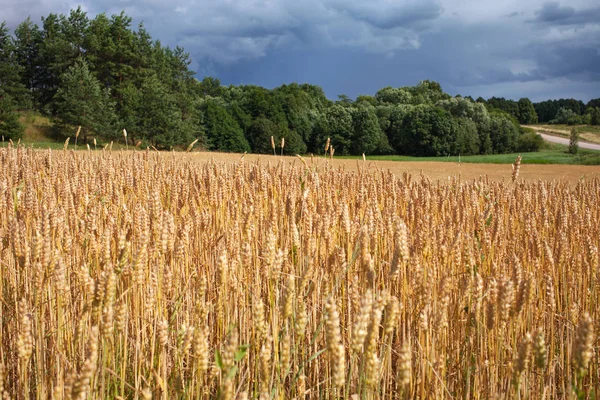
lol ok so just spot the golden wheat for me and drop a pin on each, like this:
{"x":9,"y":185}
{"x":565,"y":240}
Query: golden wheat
{"x":142,"y":275}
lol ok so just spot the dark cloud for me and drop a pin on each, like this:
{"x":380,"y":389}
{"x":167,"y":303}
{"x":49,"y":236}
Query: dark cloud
{"x":417,"y":15}
{"x":492,"y":75}
{"x":554,"y":14}
{"x":356,"y":47}
{"x":579,"y":64}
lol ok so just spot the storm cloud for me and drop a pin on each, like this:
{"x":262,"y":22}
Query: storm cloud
{"x":553,"y":13}
{"x":481,"y":48}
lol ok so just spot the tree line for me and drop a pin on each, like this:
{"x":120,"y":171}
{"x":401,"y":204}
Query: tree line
{"x":561,"y":111}
{"x":98,"y":76}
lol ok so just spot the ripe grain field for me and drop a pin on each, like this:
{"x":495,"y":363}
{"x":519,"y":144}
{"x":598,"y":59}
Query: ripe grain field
{"x":434,"y":170}
{"x":140,"y":275}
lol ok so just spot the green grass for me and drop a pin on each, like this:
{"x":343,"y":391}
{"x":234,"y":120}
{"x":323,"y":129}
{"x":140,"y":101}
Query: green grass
{"x":554,"y":154}
{"x":39,"y":134}
{"x":39,"y":145}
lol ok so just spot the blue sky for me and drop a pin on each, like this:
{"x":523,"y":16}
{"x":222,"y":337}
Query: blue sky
{"x":513,"y":49}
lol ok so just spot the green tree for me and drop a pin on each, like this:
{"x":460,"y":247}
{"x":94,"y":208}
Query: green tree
{"x":222,"y":130}
{"x":300,"y":111}
{"x":118,"y":55}
{"x":370,"y":100}
{"x":545,"y":110}
{"x":27,"y":42}
{"x":527,"y":114}
{"x":210,"y":87}
{"x":367,"y":136}
{"x":243,"y":119}
{"x":10,"y":127}
{"x":293,"y":143}
{"x":394,"y":95}
{"x":466,"y":108}
{"x":510,"y":107}
{"x":161,"y":120}
{"x":595,"y":116}
{"x":467,"y":138}
{"x":344,"y":100}
{"x":81,"y":101}
{"x":593,"y":103}
{"x":397,"y":135}
{"x":260,"y":133}
{"x":426,"y":130}
{"x":503,"y":132}
{"x":574,"y":141}
{"x":548,"y":110}
{"x":477,"y":113}
{"x":57,"y":52}
{"x":566,"y":116}
{"x":336,"y":125}
{"x":485,"y":142}
{"x":428,"y":92}
{"x":11,"y":71}
{"x":302,"y":121}
{"x":131,"y":111}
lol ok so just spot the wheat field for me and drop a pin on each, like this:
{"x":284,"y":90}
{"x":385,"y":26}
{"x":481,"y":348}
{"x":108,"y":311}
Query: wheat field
{"x":138,"y":276}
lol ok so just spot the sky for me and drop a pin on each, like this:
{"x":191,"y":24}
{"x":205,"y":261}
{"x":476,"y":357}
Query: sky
{"x":510,"y":48}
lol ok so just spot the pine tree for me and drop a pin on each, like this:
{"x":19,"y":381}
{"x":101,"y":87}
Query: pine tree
{"x":81,"y":101}
{"x":11,"y":72}
{"x":27,"y":42}
{"x":10,"y":127}
{"x":150,"y":113}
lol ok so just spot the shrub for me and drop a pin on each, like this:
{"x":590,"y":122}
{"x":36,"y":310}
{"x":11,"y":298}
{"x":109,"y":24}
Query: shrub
{"x":530,"y":141}
{"x":574,"y":141}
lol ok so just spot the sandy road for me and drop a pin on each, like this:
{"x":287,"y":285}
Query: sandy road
{"x":562,"y":140}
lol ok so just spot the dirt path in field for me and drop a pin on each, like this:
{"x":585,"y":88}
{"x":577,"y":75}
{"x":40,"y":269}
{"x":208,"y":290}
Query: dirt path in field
{"x":557,"y":131}
{"x":435,"y":170}
{"x":562,"y":140}
{"x":551,"y":133}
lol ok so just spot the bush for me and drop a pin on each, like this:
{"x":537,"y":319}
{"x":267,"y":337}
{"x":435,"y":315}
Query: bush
{"x":530,"y":141}
{"x":574,"y":141}
{"x":293,"y":143}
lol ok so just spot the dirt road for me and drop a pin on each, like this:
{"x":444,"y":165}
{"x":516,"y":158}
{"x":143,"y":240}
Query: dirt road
{"x":562,"y":140}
